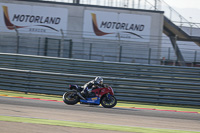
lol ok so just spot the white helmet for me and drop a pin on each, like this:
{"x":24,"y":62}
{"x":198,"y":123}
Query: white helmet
{"x":99,"y":80}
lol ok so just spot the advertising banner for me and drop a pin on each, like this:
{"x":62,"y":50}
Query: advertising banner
{"x":116,"y":26}
{"x":33,"y":19}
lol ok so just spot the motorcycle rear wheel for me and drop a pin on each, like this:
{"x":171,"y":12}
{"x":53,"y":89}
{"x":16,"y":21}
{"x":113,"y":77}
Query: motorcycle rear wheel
{"x":70,"y":98}
{"x":108,"y":103}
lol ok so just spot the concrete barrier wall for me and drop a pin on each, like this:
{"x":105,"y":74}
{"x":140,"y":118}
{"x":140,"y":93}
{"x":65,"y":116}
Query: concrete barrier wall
{"x":74,"y":31}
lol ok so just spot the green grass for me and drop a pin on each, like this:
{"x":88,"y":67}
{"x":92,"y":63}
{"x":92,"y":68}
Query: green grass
{"x":90,"y":125}
{"x":159,"y":106}
{"x":30,"y":95}
{"x":119,"y":104}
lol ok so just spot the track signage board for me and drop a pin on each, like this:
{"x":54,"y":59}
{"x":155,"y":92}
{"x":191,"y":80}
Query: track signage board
{"x":116,"y":26}
{"x":40,"y":20}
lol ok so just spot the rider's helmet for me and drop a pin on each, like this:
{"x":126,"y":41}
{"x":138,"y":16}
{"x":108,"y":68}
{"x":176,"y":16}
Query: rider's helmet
{"x":99,"y":80}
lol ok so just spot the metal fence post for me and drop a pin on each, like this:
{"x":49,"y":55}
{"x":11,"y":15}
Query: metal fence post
{"x":149,"y":59}
{"x":61,"y":44}
{"x":17,"y":33}
{"x":195,"y":56}
{"x":70,"y":48}
{"x":120,"y":53}
{"x":59,"y":48}
{"x":90,"y":54}
{"x":169,"y":50}
{"x":38,"y":52}
{"x":45,"y":46}
{"x":27,"y":90}
{"x":155,"y":5}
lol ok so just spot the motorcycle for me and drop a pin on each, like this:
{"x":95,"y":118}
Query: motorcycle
{"x":103,"y":96}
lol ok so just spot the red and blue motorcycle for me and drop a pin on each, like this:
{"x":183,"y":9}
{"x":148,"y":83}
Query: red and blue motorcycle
{"x":103,"y":96}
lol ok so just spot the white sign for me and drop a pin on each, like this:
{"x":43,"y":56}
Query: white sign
{"x":116,"y":26}
{"x":33,"y":19}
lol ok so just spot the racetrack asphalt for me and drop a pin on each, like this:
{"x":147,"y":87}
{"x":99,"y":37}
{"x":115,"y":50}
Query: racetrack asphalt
{"x":95,"y":114}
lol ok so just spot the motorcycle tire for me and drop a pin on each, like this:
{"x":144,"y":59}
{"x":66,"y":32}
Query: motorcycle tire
{"x":108,"y":103}
{"x":70,"y":98}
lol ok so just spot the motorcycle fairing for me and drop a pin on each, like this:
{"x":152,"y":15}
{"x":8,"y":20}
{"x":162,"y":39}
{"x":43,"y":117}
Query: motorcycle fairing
{"x":102,"y":91}
{"x":93,"y":100}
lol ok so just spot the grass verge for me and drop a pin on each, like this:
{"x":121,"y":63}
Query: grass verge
{"x":90,"y":125}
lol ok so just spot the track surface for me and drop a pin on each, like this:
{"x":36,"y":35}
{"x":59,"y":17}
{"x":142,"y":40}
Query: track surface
{"x":95,"y":114}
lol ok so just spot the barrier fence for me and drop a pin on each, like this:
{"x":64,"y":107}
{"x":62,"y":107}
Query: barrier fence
{"x":130,"y":81}
{"x":93,"y":50}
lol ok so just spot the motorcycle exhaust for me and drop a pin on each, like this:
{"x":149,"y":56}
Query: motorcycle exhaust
{"x":79,"y":94}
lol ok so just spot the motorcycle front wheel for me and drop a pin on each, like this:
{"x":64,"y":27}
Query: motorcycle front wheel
{"x":108,"y":102}
{"x":70,"y":97}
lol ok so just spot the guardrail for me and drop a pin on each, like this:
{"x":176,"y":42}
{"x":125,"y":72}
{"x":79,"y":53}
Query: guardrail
{"x":131,"y":82}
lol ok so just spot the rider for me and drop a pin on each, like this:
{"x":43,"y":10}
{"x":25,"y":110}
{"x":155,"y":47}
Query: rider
{"x":87,"y":88}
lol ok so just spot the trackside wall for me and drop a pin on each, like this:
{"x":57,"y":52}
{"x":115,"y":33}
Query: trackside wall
{"x":134,"y":34}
